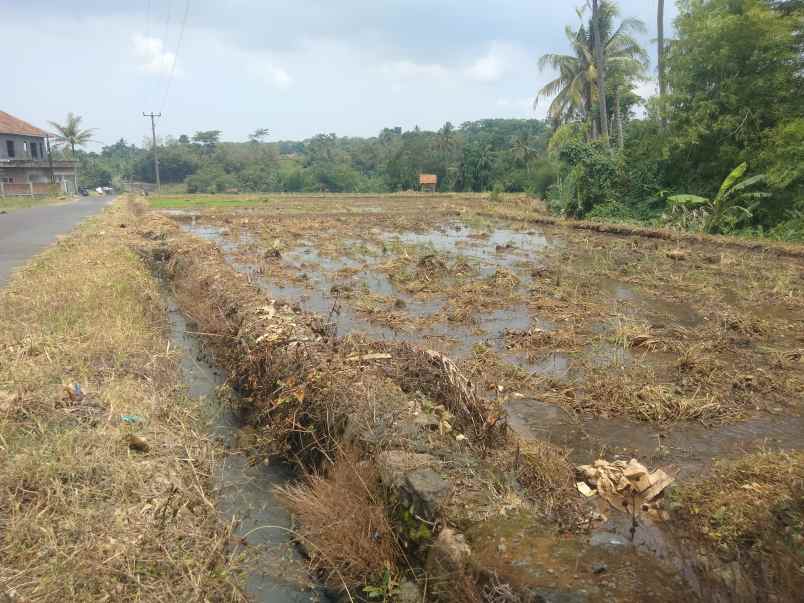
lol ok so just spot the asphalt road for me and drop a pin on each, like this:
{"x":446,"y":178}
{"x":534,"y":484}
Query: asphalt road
{"x":26,"y":232}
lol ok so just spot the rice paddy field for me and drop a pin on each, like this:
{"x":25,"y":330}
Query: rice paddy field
{"x":683,"y":352}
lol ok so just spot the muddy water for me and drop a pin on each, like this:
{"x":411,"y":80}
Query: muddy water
{"x":687,"y":448}
{"x":245,"y":491}
{"x":319,"y":294}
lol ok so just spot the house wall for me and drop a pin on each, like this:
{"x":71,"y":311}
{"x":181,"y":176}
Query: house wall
{"x":24,"y":175}
{"x":20,"y":147}
{"x":20,"y":178}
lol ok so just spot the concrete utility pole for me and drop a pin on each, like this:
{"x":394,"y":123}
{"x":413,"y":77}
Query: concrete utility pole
{"x":156,"y":153}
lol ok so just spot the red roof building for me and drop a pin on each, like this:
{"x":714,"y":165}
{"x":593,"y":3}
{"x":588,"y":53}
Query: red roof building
{"x":14,"y":125}
{"x":26,"y":167}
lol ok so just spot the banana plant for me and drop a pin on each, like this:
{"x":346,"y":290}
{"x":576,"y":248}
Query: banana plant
{"x":733,"y":201}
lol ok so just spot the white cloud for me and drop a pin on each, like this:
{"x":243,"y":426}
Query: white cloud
{"x":263,"y":68}
{"x":495,"y":64}
{"x":153,"y":56}
{"x":516,"y":103}
{"x":410,"y":70}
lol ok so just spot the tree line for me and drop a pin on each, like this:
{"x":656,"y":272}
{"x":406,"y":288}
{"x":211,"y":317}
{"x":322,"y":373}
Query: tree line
{"x":509,"y":154}
{"x":720,"y":148}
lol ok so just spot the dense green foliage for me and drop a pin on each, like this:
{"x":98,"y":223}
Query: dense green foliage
{"x":505,"y":153}
{"x":735,"y":80}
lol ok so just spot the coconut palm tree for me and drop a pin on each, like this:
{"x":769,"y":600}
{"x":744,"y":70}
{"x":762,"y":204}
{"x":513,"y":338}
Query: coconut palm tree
{"x":600,"y":67}
{"x":445,"y":142}
{"x":575,"y":90}
{"x":521,"y":150}
{"x":71,"y":133}
{"x":569,"y":90}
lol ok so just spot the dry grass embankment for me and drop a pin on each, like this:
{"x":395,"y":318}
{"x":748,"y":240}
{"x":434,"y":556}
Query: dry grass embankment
{"x":749,"y":511}
{"x":95,"y":507}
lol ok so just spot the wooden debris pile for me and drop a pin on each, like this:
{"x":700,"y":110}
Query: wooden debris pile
{"x":628,"y":487}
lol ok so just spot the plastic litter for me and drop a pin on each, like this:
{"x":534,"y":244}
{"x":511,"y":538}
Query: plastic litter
{"x":74,"y":392}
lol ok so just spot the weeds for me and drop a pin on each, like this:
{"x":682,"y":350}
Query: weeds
{"x":751,"y":509}
{"x":85,"y":516}
{"x":343,"y":514}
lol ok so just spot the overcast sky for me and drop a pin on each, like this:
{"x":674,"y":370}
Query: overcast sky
{"x":297,"y":67}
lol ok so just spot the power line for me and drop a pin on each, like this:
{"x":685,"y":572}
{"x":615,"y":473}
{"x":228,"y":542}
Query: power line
{"x":176,"y":54}
{"x":167,"y":22}
{"x":148,"y":20}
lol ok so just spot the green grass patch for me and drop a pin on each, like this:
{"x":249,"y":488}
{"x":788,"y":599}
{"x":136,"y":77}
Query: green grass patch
{"x":204,"y":201}
{"x":9,"y":204}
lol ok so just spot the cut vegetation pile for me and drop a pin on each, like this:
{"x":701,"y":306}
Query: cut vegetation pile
{"x":105,"y":490}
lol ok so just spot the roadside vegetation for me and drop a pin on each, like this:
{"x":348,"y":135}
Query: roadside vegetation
{"x":104,"y":470}
{"x":10,"y":204}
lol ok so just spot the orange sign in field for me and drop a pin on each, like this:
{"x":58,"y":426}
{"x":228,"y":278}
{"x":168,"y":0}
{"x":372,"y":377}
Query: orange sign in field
{"x":428,"y":179}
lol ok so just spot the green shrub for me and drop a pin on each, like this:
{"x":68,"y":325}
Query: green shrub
{"x":596,"y":177}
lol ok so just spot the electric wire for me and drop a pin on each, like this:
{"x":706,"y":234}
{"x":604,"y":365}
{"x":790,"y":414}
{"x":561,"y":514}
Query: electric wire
{"x":176,"y":54}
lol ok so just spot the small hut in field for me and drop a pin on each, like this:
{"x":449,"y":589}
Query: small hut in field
{"x":428,"y":183}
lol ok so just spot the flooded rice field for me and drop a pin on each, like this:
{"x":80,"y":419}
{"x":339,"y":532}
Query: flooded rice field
{"x":418,"y":329}
{"x":610,"y":346}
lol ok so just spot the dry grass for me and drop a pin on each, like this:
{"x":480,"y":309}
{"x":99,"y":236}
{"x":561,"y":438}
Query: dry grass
{"x":82,"y":516}
{"x":343,"y":523}
{"x":547,"y":475}
{"x":751,"y":509}
{"x":638,"y":394}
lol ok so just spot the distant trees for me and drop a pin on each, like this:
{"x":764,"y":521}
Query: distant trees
{"x":207,"y":139}
{"x":259,"y":135}
{"x":507,"y":154}
{"x":71,"y":133}
{"x":446,"y":143}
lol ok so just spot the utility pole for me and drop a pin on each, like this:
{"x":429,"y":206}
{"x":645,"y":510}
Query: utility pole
{"x":662,"y":81}
{"x":156,"y":153}
{"x":601,"y":72}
